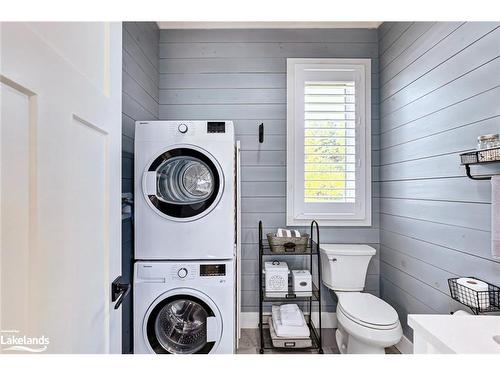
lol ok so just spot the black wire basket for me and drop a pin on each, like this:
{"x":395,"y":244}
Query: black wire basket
{"x":478,"y":302}
{"x":480,"y":156}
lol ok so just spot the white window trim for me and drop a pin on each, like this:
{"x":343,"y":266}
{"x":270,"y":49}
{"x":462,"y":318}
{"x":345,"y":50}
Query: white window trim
{"x":363,"y":157}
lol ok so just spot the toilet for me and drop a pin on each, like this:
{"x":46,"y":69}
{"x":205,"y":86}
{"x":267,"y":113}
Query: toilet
{"x":366,"y":324}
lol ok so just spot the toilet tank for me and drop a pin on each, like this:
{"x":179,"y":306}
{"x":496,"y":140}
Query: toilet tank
{"x":344,"y":266}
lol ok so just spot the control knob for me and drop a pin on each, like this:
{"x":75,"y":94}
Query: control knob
{"x":182,"y":273}
{"x":182,"y":128}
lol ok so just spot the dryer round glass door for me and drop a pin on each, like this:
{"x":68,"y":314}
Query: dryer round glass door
{"x":182,"y":324}
{"x":183,"y":183}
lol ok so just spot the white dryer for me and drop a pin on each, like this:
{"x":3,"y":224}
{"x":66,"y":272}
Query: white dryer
{"x":184,"y":307}
{"x":184,"y":190}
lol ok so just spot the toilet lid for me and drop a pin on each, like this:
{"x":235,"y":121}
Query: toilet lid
{"x":368,"y":309}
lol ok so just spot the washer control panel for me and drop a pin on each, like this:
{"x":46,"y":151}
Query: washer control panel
{"x":174,"y":274}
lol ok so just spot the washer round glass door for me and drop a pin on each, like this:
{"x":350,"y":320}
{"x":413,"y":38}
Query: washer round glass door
{"x":182,"y":324}
{"x":183,"y":183}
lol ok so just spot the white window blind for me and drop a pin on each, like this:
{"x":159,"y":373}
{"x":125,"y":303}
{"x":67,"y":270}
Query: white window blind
{"x":328,"y":142}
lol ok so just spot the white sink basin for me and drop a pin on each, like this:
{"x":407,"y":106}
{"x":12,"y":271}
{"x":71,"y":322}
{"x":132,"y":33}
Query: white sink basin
{"x":455,"y":334}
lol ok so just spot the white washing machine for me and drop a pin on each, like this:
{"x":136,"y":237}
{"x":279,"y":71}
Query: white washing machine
{"x":184,"y":307}
{"x":184,"y":190}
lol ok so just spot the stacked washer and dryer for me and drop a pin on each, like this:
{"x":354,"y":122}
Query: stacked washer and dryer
{"x":184,"y":274}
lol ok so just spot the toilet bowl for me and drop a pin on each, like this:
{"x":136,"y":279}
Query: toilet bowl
{"x":366,"y":324}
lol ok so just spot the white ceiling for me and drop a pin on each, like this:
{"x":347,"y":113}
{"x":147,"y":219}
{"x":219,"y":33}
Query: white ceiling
{"x":267,"y":25}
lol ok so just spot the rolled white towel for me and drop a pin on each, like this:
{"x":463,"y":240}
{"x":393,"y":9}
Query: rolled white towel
{"x":287,"y":233}
{"x":282,"y":233}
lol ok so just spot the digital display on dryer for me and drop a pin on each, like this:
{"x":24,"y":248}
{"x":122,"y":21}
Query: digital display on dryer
{"x":216,"y":127}
{"x":212,"y":270}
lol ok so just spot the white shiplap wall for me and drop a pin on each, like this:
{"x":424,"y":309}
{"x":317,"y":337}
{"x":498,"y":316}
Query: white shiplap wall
{"x":439,"y":90}
{"x":240,"y":75}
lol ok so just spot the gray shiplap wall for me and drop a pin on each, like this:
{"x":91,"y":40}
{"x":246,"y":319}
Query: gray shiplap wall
{"x":240,"y":75}
{"x":139,"y":102}
{"x":439,"y":90}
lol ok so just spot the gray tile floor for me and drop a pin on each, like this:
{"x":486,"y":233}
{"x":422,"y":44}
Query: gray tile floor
{"x":249,"y":343}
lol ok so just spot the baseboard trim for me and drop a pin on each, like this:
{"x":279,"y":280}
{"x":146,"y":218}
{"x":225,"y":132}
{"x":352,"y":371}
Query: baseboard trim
{"x":250,"y":320}
{"x":405,"y":346}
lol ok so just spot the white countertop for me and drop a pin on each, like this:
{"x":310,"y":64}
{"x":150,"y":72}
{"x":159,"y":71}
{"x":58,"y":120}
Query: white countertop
{"x":458,"y":334}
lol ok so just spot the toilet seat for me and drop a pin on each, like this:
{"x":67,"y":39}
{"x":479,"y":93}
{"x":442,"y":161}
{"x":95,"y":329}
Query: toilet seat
{"x":353,"y":337}
{"x":367,"y":310}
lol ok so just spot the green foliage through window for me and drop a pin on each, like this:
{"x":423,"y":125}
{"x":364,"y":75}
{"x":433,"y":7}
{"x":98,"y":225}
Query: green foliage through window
{"x":329,"y":142}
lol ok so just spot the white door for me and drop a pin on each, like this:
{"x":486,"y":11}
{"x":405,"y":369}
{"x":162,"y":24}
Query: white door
{"x":60,"y":167}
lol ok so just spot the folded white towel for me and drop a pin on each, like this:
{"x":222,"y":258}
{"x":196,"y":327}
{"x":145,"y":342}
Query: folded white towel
{"x":495,"y":216}
{"x":287,"y":233}
{"x":289,"y":307}
{"x":291,"y":315}
{"x":288,"y":331}
{"x":291,"y":320}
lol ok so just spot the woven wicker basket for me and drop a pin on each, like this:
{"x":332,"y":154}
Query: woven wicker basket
{"x":288,"y":244}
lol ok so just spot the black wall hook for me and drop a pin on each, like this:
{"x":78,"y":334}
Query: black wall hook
{"x":261,"y":133}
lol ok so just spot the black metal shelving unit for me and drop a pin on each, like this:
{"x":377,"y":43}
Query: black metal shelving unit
{"x":312,"y":251}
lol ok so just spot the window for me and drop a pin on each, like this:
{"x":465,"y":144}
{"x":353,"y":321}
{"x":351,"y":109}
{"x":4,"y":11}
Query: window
{"x":328,"y":141}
